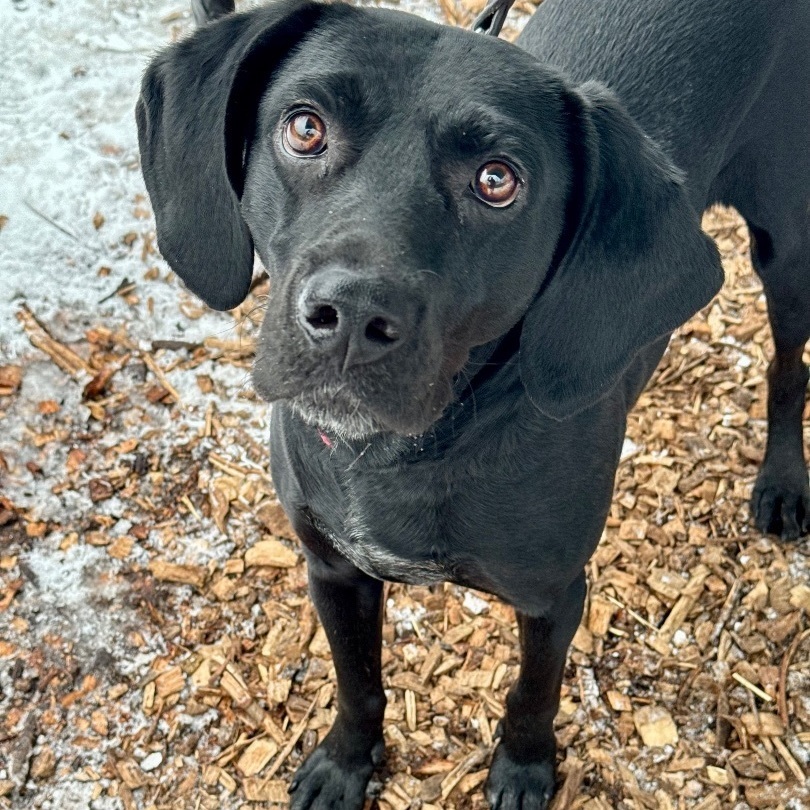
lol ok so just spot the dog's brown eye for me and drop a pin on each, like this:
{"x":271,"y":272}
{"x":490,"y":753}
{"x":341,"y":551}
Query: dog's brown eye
{"x":496,"y":184}
{"x":305,"y":135}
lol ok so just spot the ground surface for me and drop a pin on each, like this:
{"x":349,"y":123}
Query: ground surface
{"x":157,"y":648}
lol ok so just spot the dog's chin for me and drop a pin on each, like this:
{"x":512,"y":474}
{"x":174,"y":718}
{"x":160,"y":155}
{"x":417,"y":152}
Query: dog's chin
{"x":356,"y":426}
{"x":359,"y":422}
{"x":355,"y":410}
{"x":341,"y":412}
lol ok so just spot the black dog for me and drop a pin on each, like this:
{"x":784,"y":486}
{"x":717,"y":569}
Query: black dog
{"x":476,"y":258}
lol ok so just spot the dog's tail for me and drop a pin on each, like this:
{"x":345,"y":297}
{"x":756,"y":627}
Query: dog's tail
{"x":205,"y":11}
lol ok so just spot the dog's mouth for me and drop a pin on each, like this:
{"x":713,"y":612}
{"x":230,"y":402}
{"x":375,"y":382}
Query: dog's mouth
{"x":338,"y":414}
{"x":341,"y":411}
{"x":360,"y":405}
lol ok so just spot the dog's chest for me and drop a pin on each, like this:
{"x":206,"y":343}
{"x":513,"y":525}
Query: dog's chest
{"x":391,"y":535}
{"x":375,"y":558}
{"x":410,"y":526}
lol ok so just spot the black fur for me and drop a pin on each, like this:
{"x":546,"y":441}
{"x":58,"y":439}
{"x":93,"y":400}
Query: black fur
{"x":477,"y":440}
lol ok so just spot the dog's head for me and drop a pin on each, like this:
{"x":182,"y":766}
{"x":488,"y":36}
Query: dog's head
{"x":414,"y":191}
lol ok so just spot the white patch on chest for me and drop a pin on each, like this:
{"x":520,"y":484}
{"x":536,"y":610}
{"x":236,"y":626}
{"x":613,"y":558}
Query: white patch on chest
{"x":381,"y":563}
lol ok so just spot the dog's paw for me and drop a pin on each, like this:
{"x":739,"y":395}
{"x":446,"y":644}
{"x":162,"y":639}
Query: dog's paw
{"x":519,"y":786}
{"x":324,"y":782}
{"x":781,"y":503}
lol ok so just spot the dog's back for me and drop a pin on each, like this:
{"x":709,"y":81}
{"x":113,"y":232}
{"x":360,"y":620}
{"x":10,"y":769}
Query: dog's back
{"x":703,"y":77}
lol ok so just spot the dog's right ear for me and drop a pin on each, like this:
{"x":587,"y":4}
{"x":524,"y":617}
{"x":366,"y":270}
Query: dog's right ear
{"x":196,"y":110}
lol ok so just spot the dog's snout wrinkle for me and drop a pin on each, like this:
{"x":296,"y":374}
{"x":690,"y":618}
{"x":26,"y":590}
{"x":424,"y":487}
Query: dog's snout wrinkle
{"x":352,"y":319}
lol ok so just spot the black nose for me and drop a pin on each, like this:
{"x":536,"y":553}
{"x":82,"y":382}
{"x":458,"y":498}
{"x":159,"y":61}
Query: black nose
{"x":352,"y":318}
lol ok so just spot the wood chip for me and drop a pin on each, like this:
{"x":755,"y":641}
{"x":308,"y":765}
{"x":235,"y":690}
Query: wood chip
{"x":256,"y":756}
{"x":619,"y":702}
{"x":633,"y":530}
{"x":600,"y":615}
{"x":768,"y":796}
{"x":274,"y":791}
{"x":431,"y":662}
{"x":472,"y":781}
{"x":272,"y":553}
{"x":717,"y":776}
{"x":751,"y":687}
{"x":763,"y":724}
{"x":227,"y":781}
{"x":100,"y":723}
{"x":655,"y":726}
{"x":410,"y":709}
{"x":235,"y":686}
{"x":583,"y":640}
{"x":789,"y":759}
{"x":800,"y":597}
{"x":130,"y":773}
{"x":475,"y":679}
{"x":409,"y":681}
{"x":574,"y":770}
{"x":457,"y":634}
{"x":757,"y":597}
{"x":682,"y":764}
{"x":183,"y":574}
{"x":451,"y":781}
{"x":666,"y":583}
{"x":151,"y":363}
{"x":319,"y":646}
{"x":225,"y":589}
{"x":61,"y":355}
{"x":43,"y":766}
{"x":121,"y":547}
{"x":272,"y":516}
{"x":170,"y":681}
{"x":691,"y":591}
{"x":10,"y":380}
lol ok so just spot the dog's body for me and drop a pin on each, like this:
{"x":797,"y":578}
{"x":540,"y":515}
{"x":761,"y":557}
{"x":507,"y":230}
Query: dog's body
{"x":453,"y":374}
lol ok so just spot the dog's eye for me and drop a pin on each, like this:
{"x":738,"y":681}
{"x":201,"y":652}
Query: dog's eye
{"x":304,"y":135}
{"x":496,"y":184}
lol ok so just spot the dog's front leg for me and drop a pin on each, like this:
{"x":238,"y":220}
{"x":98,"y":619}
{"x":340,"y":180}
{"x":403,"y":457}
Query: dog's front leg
{"x":349,"y":604}
{"x":522,"y":773}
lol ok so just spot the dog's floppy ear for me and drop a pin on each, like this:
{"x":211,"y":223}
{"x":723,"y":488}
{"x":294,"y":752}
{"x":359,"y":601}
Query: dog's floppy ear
{"x":633,"y":266}
{"x":197,"y":107}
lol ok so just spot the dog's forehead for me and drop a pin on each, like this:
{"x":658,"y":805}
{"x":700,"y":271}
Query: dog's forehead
{"x":394,"y":50}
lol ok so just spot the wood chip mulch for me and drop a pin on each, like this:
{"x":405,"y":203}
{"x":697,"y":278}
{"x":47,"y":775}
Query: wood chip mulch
{"x":158,"y":650}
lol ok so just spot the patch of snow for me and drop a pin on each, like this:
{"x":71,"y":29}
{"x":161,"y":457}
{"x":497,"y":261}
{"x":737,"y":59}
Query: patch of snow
{"x":680,"y":638}
{"x":404,"y":617}
{"x":70,"y":593}
{"x":475,"y":604}
{"x":152,"y":761}
{"x":67,"y":127}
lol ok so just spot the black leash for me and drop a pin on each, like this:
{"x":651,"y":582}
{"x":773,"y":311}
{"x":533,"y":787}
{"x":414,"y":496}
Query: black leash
{"x":490,"y":21}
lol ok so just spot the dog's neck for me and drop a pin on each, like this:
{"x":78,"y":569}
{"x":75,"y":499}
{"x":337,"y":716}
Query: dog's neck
{"x":486,"y":361}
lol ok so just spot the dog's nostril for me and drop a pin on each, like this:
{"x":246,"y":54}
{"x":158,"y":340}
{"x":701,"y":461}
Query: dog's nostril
{"x":324,"y":317}
{"x":378,"y":330}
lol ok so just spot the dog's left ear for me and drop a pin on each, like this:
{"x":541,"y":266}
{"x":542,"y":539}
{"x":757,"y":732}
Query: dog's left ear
{"x":635,"y":264}
{"x":195,"y":114}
